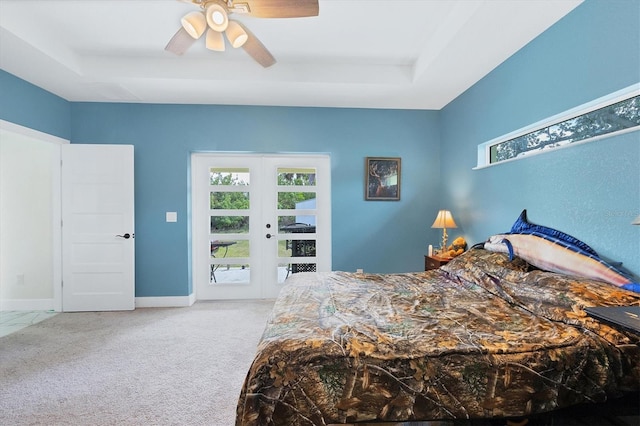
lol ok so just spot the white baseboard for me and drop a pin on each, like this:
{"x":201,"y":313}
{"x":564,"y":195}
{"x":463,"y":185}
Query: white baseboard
{"x":165,"y":302}
{"x":26,"y":305}
{"x":140,"y":302}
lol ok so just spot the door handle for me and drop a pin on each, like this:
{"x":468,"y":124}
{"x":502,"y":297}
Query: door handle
{"x":268,"y":235}
{"x":125,"y":236}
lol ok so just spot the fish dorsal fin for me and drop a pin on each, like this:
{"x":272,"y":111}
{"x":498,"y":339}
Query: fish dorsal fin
{"x":523,"y":226}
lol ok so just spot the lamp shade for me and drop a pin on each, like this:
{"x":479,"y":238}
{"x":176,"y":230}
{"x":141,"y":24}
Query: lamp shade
{"x":194,"y":24}
{"x":217,"y":17}
{"x":215,"y":40}
{"x":636,"y":221}
{"x":444,"y":220}
{"x":236,"y":34}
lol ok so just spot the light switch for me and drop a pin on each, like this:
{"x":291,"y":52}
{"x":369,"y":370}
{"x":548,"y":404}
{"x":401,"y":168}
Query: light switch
{"x":172,"y":216}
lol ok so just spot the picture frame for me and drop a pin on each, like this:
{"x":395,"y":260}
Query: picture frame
{"x":382,"y":178}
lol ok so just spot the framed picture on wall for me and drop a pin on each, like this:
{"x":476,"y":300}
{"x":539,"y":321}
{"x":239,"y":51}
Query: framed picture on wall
{"x":382,"y":179}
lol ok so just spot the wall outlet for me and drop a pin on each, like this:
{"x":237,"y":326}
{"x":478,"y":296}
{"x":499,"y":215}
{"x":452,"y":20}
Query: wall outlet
{"x":20,"y":279}
{"x":359,"y":270}
{"x":171,"y":216}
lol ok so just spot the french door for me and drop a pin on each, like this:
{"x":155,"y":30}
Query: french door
{"x":256,"y":220}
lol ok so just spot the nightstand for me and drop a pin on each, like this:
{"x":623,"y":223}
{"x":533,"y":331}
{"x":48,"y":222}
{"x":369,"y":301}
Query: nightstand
{"x":434,"y":262}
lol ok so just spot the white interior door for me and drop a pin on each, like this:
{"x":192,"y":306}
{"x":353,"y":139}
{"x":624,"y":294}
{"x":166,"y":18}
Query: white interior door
{"x":247,"y":211}
{"x":97,"y":228}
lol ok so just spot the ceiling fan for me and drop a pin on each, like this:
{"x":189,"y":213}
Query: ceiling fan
{"x":213,"y":19}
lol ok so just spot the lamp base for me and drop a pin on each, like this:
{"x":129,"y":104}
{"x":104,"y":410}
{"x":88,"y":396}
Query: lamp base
{"x":443,"y":244}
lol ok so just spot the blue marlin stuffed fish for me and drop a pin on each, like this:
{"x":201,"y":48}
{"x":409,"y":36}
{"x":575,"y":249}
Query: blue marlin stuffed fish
{"x":555,"y":251}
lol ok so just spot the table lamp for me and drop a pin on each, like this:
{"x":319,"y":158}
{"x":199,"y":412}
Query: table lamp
{"x":444,"y":220}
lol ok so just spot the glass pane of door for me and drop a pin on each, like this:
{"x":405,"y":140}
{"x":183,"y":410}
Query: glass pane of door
{"x":229,"y":225}
{"x":296,"y":207}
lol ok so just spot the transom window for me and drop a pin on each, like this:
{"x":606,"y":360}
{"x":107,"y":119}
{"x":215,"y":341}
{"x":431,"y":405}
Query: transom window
{"x":614,"y":114}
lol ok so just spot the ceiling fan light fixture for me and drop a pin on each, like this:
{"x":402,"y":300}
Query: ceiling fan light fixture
{"x":215,"y":40}
{"x":217,"y":17}
{"x":236,"y":34}
{"x":194,"y":24}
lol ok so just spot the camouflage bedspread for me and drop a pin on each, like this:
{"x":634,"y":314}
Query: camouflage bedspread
{"x":479,"y":337}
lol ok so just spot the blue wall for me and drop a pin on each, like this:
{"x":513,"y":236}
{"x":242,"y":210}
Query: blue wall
{"x":29,"y":106}
{"x":377,"y":236}
{"x":591,"y":191}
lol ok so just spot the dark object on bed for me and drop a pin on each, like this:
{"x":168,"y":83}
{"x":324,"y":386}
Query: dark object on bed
{"x":618,"y":316}
{"x":481,"y":337}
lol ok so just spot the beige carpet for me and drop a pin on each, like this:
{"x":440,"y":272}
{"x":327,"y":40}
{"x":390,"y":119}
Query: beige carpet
{"x":154,"y":366}
{"x":171,"y":366}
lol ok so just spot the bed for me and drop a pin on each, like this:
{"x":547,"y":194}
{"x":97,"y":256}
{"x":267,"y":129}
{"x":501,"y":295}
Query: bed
{"x":484,"y":336}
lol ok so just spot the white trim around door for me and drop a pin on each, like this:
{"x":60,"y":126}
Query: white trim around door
{"x":257,"y":218}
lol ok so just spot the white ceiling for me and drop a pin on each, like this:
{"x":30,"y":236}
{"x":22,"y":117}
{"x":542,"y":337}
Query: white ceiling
{"x":405,"y":54}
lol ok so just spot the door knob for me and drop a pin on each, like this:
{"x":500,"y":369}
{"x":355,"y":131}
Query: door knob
{"x":125,"y":236}
{"x":268,"y":235}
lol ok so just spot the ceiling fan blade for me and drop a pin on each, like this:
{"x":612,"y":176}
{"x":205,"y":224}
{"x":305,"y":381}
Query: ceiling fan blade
{"x":180,"y":42}
{"x":281,"y":8}
{"x":256,"y":49}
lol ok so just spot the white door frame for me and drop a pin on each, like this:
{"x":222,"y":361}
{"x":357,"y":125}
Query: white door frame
{"x":56,"y":216}
{"x":55,"y":204}
{"x":198,"y":263}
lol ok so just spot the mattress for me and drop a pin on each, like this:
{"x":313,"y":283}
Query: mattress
{"x":481,"y":337}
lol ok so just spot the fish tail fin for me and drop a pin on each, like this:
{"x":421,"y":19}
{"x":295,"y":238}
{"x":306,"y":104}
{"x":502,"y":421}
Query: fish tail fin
{"x":632,"y":287}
